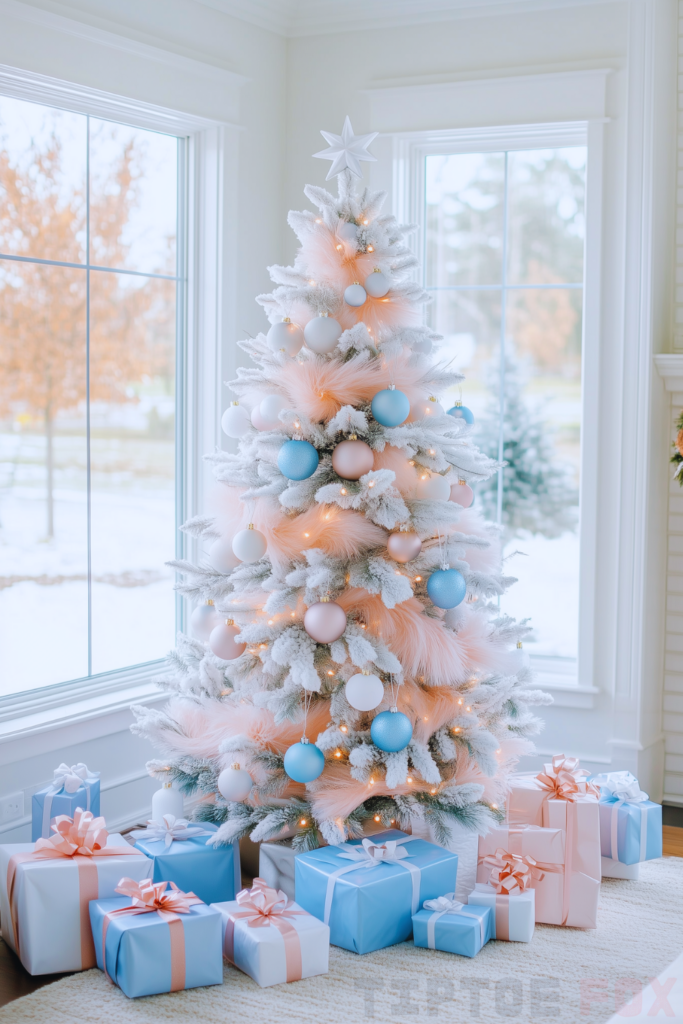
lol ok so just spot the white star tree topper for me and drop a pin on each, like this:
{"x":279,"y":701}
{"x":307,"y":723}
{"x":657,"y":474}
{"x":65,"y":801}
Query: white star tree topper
{"x":346,"y":150}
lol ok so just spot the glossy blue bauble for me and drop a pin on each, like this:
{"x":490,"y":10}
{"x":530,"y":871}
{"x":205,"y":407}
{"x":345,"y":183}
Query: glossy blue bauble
{"x":461,"y":412}
{"x":391,"y":731}
{"x":297,"y":460}
{"x":390,"y":408}
{"x":304,"y":762}
{"x":446,"y":588}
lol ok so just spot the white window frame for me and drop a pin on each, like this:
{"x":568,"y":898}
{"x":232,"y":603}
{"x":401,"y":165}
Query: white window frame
{"x":207,"y":175}
{"x":410,"y":149}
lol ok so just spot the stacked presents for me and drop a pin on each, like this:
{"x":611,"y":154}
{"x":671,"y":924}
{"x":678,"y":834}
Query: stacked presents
{"x":160,"y":916}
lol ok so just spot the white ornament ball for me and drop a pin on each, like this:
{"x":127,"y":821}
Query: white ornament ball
{"x":377,"y":284}
{"x":235,"y":420}
{"x":222,"y":641}
{"x":355,"y":295}
{"x":347,"y":231}
{"x":433,"y":487}
{"x":287,"y":336}
{"x":249,"y":545}
{"x":271,"y":407}
{"x":234,"y":784}
{"x":204,"y":620}
{"x":364,"y":692}
{"x":426,"y":408}
{"x":519,"y":658}
{"x":322,"y":334}
{"x":221,"y":555}
{"x":258,"y":420}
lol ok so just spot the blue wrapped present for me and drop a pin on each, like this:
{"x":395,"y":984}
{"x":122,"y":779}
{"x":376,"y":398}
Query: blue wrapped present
{"x":71,"y":788}
{"x":180,"y":853}
{"x":368,"y":890}
{"x":150,"y":940}
{"x":630,"y":824}
{"x":447,"y":924}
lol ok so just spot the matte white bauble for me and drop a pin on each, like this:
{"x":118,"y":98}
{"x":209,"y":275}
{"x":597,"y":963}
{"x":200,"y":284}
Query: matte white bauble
{"x":426,"y":408}
{"x":167,"y":800}
{"x":433,"y":487}
{"x":355,"y":294}
{"x":518,"y":657}
{"x":285,"y":336}
{"x":235,"y":420}
{"x":221,"y":555}
{"x":347,"y":231}
{"x":322,"y":334}
{"x":234,"y":783}
{"x":455,"y":617}
{"x":203,"y":620}
{"x":364,"y":692}
{"x":249,"y":545}
{"x":222,"y":641}
{"x":258,"y":420}
{"x":271,"y":407}
{"x":377,"y":284}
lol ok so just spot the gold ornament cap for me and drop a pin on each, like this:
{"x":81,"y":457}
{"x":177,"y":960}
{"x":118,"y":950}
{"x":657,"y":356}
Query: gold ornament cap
{"x":235,"y":766}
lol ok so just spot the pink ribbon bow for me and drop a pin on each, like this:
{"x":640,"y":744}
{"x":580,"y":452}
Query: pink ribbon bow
{"x":565,"y":780}
{"x":261,"y":907}
{"x":150,"y":897}
{"x":510,"y":873}
{"x":83,"y":834}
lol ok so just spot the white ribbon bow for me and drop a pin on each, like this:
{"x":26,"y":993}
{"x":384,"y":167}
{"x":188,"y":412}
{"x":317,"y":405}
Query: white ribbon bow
{"x":371,"y":854}
{"x":71,"y":779}
{"x":449,"y":905}
{"x":170,"y":829}
{"x":620,"y":786}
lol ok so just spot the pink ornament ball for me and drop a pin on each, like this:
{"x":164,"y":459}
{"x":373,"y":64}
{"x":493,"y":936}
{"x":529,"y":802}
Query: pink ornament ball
{"x":462,"y":494}
{"x":403,"y":547}
{"x":352,"y":459}
{"x":259,"y":421}
{"x":325,"y":621}
{"x":222,"y":641}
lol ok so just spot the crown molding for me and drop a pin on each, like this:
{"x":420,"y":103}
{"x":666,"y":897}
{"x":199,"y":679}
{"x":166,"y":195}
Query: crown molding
{"x":297,"y":18}
{"x":124,"y":44}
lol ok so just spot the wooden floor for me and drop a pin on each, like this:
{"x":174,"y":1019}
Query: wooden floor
{"x":15,"y":981}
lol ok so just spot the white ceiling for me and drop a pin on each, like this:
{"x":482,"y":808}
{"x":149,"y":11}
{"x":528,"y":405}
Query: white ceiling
{"x":317,"y":17}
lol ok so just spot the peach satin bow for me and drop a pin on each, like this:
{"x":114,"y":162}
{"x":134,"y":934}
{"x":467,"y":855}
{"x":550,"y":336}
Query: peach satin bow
{"x":83,"y":834}
{"x":565,"y":780}
{"x":510,"y":873}
{"x":261,"y":907}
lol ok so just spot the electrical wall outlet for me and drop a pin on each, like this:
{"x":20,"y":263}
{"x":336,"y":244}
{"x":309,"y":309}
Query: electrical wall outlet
{"x":12,"y":806}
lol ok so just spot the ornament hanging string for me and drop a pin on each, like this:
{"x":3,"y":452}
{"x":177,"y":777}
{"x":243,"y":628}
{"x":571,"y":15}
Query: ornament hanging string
{"x":308,"y":698}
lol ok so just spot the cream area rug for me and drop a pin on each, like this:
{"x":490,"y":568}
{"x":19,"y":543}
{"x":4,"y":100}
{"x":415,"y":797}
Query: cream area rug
{"x":577,"y":977}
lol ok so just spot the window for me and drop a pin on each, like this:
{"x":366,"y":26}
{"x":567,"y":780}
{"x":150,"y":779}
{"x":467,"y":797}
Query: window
{"x":89,"y":292}
{"x":503,"y":233}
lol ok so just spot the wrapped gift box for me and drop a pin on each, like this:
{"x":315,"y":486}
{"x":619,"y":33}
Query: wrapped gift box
{"x":71,"y":788}
{"x":449,"y":925}
{"x":630,"y":824}
{"x":462,"y":841}
{"x":615,"y":869}
{"x":44,"y":898}
{"x":276,"y":865}
{"x":368,"y":890}
{"x":155,"y":940}
{"x":179,"y":852}
{"x":271,"y":938}
{"x":513,"y":915}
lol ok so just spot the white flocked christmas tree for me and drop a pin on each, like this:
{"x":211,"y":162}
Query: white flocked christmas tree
{"x":354,"y":666}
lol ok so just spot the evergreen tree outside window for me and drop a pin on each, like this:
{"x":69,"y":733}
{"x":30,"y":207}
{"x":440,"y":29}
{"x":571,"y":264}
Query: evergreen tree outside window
{"x":504,"y":261}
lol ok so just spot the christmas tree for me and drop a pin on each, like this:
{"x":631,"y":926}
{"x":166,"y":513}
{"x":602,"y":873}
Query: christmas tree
{"x":357,"y":665}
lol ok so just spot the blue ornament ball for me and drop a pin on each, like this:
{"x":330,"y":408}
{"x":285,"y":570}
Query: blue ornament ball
{"x":304,"y":762}
{"x":391,"y":731}
{"x":297,"y":460}
{"x":461,"y":412}
{"x":390,"y":407}
{"x":446,"y":588}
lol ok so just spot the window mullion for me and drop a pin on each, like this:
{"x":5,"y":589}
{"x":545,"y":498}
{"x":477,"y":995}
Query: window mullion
{"x":503,"y":318}
{"x":87,"y":389}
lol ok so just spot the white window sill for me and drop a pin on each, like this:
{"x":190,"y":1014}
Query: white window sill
{"x":559,"y":677}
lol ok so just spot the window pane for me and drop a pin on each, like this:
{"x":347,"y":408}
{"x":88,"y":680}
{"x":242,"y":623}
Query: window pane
{"x":464,"y":219}
{"x":546,"y":216}
{"x":42,"y":181}
{"x":133,"y":198}
{"x":132,"y":352}
{"x":43,"y":460}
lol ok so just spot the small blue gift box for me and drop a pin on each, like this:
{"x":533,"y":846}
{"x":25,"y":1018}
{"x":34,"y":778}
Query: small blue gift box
{"x":144,"y":958}
{"x":211,"y":872}
{"x":630,"y":824}
{"x":367,"y":890}
{"x":71,"y":788}
{"x":446,"y":924}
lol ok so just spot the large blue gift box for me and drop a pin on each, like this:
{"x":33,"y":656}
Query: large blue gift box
{"x":211,"y":872}
{"x":455,"y":929}
{"x":368,"y":890}
{"x":630,"y":824}
{"x":71,"y":787}
{"x":138,"y":948}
